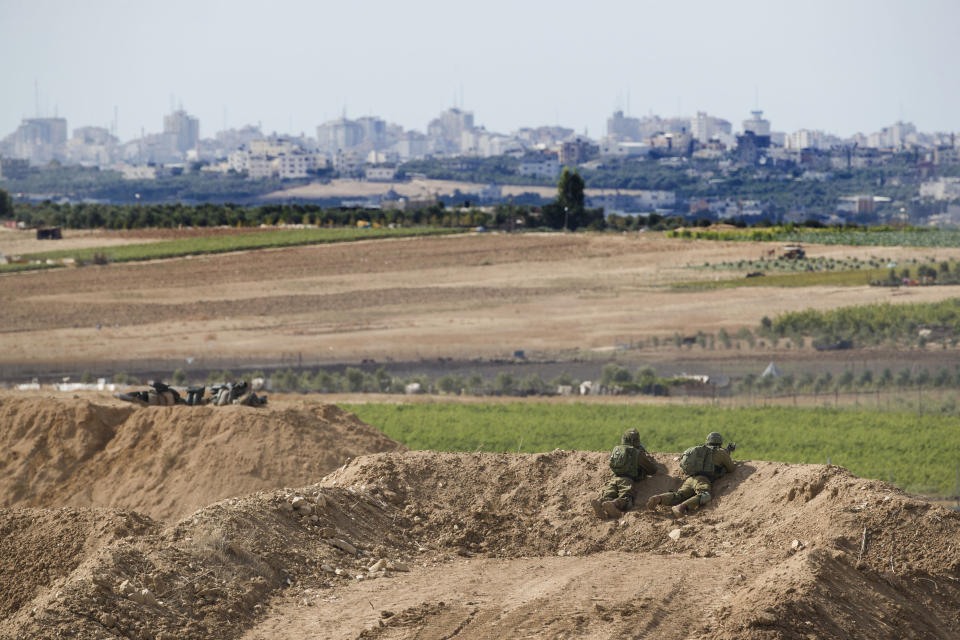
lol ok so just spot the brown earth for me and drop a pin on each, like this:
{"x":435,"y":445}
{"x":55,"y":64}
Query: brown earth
{"x":463,"y":297}
{"x":472,"y":545}
{"x":100,"y":501}
{"x":166,"y":462}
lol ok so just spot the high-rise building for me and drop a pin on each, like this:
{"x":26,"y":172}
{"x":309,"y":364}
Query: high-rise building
{"x":620,"y":127}
{"x":757,"y":125}
{"x":339,"y":134}
{"x":704,"y":127}
{"x":446,"y":131}
{"x":39,"y":140}
{"x":182,"y":130}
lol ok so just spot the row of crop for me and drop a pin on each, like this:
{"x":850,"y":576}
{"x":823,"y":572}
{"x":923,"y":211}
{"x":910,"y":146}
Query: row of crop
{"x":847,"y":235}
{"x":918,"y":453}
{"x":865,"y":322}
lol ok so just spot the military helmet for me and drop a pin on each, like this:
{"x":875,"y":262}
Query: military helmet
{"x":714,"y":439}
{"x":630,"y":437}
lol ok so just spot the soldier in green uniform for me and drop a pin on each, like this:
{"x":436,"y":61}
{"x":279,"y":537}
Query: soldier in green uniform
{"x":629,"y":462}
{"x":702,"y":465}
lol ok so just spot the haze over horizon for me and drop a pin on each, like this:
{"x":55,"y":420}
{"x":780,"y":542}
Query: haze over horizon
{"x":843,"y":68}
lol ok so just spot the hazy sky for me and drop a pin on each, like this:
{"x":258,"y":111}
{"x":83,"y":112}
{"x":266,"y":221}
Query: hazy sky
{"x":842,"y":66}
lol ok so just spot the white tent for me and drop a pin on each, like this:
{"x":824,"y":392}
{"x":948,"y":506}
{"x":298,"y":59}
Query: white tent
{"x":771,"y":370}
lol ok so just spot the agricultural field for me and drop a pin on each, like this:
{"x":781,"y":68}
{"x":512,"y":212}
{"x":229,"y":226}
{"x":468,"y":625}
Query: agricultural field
{"x":424,"y":301}
{"x":918,"y":453}
{"x":212,"y":244}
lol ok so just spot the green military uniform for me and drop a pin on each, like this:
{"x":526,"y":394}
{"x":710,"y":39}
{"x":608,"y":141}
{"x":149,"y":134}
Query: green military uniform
{"x":617,"y":494}
{"x":695,"y":490}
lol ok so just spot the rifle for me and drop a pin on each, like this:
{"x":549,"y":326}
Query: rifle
{"x":731,"y":447}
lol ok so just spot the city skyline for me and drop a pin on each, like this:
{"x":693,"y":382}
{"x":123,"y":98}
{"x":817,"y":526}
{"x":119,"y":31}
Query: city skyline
{"x":846,"y":69}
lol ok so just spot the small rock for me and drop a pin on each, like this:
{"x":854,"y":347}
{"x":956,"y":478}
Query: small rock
{"x":305,"y":509}
{"x":396,"y":565}
{"x":796,"y":545}
{"x":145,"y":597}
{"x":108,"y":620}
{"x":343,"y":545}
{"x":328,"y":568}
{"x":125,"y":588}
{"x":314,"y":518}
{"x":561,"y":553}
{"x":766,"y":619}
{"x":339,"y":572}
{"x":286,"y":506}
{"x":298,"y":502}
{"x":377,"y":566}
{"x":675,"y":534}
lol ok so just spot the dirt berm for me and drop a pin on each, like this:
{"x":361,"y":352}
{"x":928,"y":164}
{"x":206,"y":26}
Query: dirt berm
{"x":441,"y":545}
{"x":166,"y":462}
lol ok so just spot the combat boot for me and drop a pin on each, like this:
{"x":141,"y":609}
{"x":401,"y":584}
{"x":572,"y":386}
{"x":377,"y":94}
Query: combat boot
{"x":611,"y":509}
{"x":689,"y":505}
{"x":598,"y":509}
{"x":654,"y":502}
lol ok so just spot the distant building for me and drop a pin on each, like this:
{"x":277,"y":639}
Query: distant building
{"x":40,"y":140}
{"x":380,"y":174}
{"x":893,"y":137}
{"x":620,"y":127}
{"x":275,"y":157}
{"x":446,"y":131}
{"x":14,"y":168}
{"x":943,"y":156}
{"x":577,"y":151}
{"x":347,"y":163}
{"x":635,"y":202}
{"x":704,"y":127}
{"x":542,"y":137}
{"x":182,"y":130}
{"x":541,"y":166}
{"x":757,"y":125}
{"x":941,"y":189}
{"x":411,"y":145}
{"x":623,"y":149}
{"x":339,"y":134}
{"x":680,"y":144}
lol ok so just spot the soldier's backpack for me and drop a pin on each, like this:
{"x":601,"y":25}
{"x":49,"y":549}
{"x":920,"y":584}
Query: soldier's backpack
{"x":625,"y":461}
{"x":698,"y":461}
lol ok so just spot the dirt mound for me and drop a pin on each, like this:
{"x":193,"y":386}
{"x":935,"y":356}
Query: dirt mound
{"x":807,"y":542}
{"x":425,"y":544}
{"x":167,"y":462}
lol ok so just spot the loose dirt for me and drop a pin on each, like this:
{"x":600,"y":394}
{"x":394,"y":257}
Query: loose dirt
{"x":166,"y":462}
{"x":403,"y":544}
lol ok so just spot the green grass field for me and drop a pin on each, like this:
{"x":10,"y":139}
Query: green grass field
{"x":918,"y":453}
{"x":236,"y":242}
